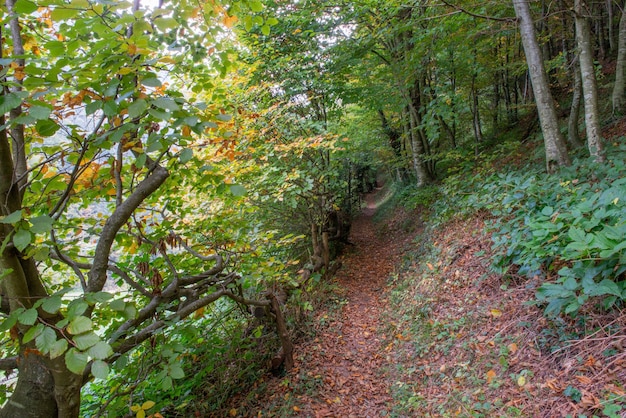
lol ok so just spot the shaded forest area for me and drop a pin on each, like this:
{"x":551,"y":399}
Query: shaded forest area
{"x":178,"y":182}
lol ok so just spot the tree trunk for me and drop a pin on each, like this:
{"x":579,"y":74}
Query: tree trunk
{"x":588,"y":75}
{"x":619,"y":88}
{"x":556,"y":149}
{"x":417,"y":148}
{"x":573,"y":137}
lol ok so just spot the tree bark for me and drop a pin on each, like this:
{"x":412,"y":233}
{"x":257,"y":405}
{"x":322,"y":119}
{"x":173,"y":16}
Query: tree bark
{"x":588,"y":75}
{"x":573,"y":136}
{"x":619,"y":88}
{"x":556,"y":149}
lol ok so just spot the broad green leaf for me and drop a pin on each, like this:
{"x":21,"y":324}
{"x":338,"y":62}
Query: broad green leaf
{"x":151,"y":82}
{"x":7,"y":323}
{"x":41,"y":224}
{"x":28,"y":317}
{"x":33,"y":332}
{"x":165,"y":23}
{"x":117,"y":305}
{"x":137,"y":108}
{"x":165,"y":103}
{"x":577,"y":234}
{"x":256,"y":6}
{"x":86,"y":340}
{"x":8,"y":102}
{"x":22,"y":239}
{"x":58,"y":348}
{"x":76,"y":308}
{"x":79,"y":325}
{"x":265,"y":30}
{"x":186,"y":155}
{"x":167,"y":383}
{"x":176,"y":372}
{"x":24,"y":7}
{"x":272,"y":21}
{"x":39,"y":112}
{"x":52,"y":304}
{"x":63,"y":13}
{"x":100,"y":351}
{"x":12,"y":218}
{"x":46,"y":127}
{"x":75,"y":360}
{"x":46,"y":339}
{"x":237,"y":190}
{"x":224,"y":117}
{"x":99,"y":369}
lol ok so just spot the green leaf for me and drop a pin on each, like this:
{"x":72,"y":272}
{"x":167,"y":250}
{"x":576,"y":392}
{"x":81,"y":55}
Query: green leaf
{"x":167,"y":383}
{"x":224,"y":117}
{"x":186,"y":155}
{"x":137,"y":108}
{"x":58,"y":348}
{"x":272,"y":21}
{"x":99,"y":369}
{"x":86,"y":340}
{"x":52,"y":304}
{"x":32,"y":332}
{"x":165,"y":23}
{"x":151,"y":82}
{"x":75,"y":361}
{"x":265,"y":30}
{"x":176,"y":372}
{"x":12,"y":218}
{"x":237,"y":190}
{"x":46,"y":339}
{"x":8,"y":102}
{"x":256,"y":6}
{"x":79,"y":325}
{"x":39,"y":112}
{"x":24,"y":7}
{"x":28,"y":317}
{"x":100,"y":351}
{"x":22,"y":239}
{"x":117,"y":305}
{"x":165,"y":103}
{"x":62,"y":13}
{"x":46,"y":127}
{"x":41,"y":224}
{"x":8,"y":323}
{"x":577,"y":234}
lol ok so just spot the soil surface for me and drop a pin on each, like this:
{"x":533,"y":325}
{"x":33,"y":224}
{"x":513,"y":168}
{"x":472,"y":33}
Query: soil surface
{"x":345,"y":362}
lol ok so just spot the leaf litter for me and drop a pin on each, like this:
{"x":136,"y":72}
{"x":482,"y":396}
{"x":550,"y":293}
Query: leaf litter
{"x":425,"y":329}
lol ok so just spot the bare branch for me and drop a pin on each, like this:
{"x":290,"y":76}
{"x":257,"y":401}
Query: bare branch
{"x":9,"y":363}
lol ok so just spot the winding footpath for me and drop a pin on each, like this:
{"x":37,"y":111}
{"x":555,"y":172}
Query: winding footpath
{"x":348,"y":357}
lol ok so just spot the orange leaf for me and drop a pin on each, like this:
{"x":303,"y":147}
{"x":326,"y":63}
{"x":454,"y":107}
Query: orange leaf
{"x":512,"y":348}
{"x":232,"y":412}
{"x":491,"y":374}
{"x":296,"y":409}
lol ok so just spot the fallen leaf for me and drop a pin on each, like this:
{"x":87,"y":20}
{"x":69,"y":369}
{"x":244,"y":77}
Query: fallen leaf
{"x":512,"y":348}
{"x":491,"y":374}
{"x":232,"y":412}
{"x":521,"y":381}
{"x":496,"y":313}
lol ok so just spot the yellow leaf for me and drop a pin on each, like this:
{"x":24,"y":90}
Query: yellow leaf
{"x":124,"y":71}
{"x":496,"y":313}
{"x":491,"y":374}
{"x":232,"y":412}
{"x":229,"y":21}
{"x":186,"y":130}
{"x":132,"y":49}
{"x":141,"y":414}
{"x":521,"y":381}
{"x":147,"y":405}
{"x":135,"y":408}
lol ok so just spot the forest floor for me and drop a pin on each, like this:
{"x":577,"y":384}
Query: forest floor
{"x":421,"y":327}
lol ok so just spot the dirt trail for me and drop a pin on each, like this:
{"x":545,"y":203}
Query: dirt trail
{"x":347,"y":357}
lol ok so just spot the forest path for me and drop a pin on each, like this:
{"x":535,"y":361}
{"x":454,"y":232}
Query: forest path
{"x":346,"y":362}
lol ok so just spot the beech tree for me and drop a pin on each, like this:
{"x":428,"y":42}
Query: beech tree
{"x":102,"y":105}
{"x":589,"y":84}
{"x":556,"y":150}
{"x":619,"y":88}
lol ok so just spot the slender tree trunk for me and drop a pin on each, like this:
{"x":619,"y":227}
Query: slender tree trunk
{"x":619,"y":88}
{"x":609,"y":10}
{"x":573,"y":137}
{"x":417,"y":149}
{"x":556,"y":149}
{"x":588,"y":75}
